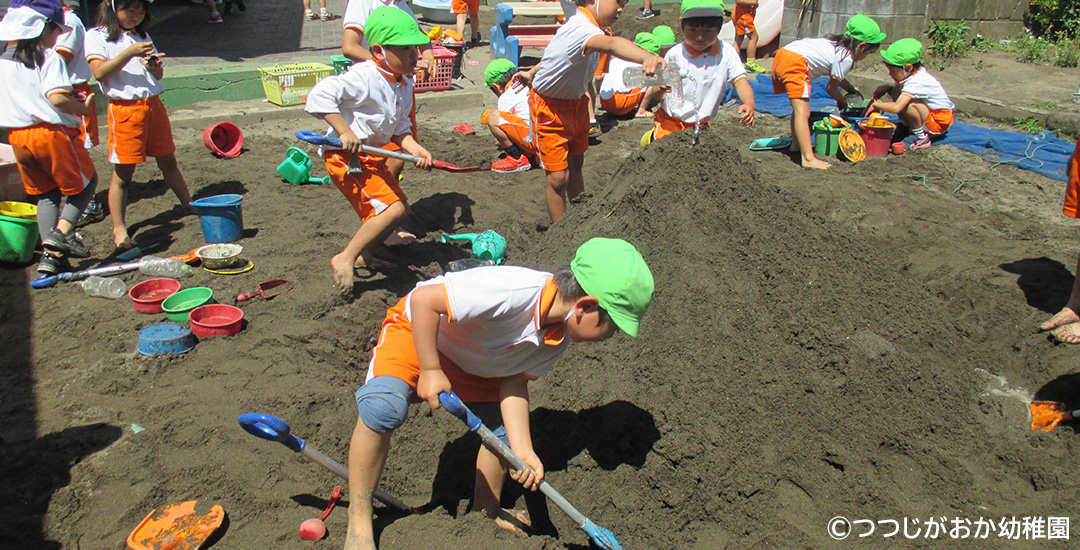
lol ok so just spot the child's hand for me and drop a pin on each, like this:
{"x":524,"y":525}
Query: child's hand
{"x":425,"y":158}
{"x":139,"y":49}
{"x":350,"y":142}
{"x":529,"y":479}
{"x":653,"y":64}
{"x":431,"y":384}
{"x":521,"y":79}
{"x":746,"y":112}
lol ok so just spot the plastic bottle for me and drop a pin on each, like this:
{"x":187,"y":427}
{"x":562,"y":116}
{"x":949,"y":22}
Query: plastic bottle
{"x":104,"y":286}
{"x":467,"y":263}
{"x":671,"y":76}
{"x":163,"y":267}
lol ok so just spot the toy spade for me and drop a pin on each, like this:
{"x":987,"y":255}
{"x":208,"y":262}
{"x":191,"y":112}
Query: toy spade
{"x":488,"y":245}
{"x":319,"y":139}
{"x":1045,"y":415}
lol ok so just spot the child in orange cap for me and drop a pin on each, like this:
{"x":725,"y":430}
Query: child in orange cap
{"x":558,"y":102}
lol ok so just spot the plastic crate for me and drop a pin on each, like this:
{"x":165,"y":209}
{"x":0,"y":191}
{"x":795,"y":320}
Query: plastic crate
{"x":444,"y":71}
{"x":341,"y":63}
{"x":290,"y":84}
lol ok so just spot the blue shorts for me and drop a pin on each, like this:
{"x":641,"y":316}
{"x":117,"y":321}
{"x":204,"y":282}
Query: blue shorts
{"x":383,"y":405}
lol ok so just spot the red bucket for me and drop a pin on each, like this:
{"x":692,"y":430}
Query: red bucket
{"x":224,"y":139}
{"x":877,"y":138}
{"x":216,"y":320}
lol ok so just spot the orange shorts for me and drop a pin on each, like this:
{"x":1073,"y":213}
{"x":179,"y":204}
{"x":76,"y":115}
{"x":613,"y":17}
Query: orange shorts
{"x":518,"y":132}
{"x":1072,"y":188}
{"x":560,"y":129}
{"x":790,"y":74}
{"x":89,"y":129}
{"x":395,"y":355}
{"x":51,"y":156}
{"x":465,"y":6}
{"x":139,"y":128}
{"x":602,"y":67}
{"x":369,"y":192}
{"x":667,"y":124}
{"x":621,"y":104}
{"x":743,"y":17}
{"x":939,"y":121}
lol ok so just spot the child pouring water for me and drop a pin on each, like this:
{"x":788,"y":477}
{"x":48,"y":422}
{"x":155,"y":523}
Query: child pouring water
{"x":917,"y":96}
{"x":803,"y":60}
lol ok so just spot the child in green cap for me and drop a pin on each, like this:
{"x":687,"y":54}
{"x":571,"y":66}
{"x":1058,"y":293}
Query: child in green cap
{"x":370,"y":105}
{"x":801,"y":61}
{"x":917,"y":96}
{"x":616,"y":98}
{"x":509,"y":123}
{"x":484,"y":333}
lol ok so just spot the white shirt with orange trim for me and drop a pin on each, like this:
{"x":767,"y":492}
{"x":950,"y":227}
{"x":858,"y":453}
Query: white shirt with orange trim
{"x":922,"y":85}
{"x":133,"y":80}
{"x":73,"y":43}
{"x":708,"y":75}
{"x":375,"y":102}
{"x":25,"y":92}
{"x":613,"y":80}
{"x":565,"y":69}
{"x":823,"y":57}
{"x":358,"y":11}
{"x":516,"y":102}
{"x":494,"y":328}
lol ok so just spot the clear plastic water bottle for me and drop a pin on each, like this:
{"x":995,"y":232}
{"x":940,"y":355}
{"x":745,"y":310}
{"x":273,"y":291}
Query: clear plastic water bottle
{"x":163,"y":267}
{"x":467,"y":263}
{"x":105,"y":287}
{"x":671,"y":76}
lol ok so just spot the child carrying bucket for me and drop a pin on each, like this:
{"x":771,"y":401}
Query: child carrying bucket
{"x":917,"y":97}
{"x":370,"y":105}
{"x":803,"y":60}
{"x":128,"y":67}
{"x":43,"y":119}
{"x":485,"y":333}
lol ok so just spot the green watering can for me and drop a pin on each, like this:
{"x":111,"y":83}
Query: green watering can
{"x":297,"y":168}
{"x":488,"y":245}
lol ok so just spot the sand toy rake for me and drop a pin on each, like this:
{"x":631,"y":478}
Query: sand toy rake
{"x":319,"y":139}
{"x":602,"y":537}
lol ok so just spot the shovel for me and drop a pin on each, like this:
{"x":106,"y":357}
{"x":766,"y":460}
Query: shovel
{"x":602,"y":537}
{"x":272,"y":428}
{"x":319,"y":139}
{"x":1045,"y":415}
{"x":265,"y":286}
{"x":176,"y":527}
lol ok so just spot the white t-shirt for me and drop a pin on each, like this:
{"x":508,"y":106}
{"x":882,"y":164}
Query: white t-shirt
{"x":24,"y":92}
{"x":708,"y":74}
{"x":133,"y":80}
{"x":73,"y":42}
{"x":516,"y":102}
{"x":565,"y":69}
{"x":823,"y":57}
{"x":375,"y":103}
{"x":922,"y":85}
{"x":613,"y":79}
{"x":358,"y":11}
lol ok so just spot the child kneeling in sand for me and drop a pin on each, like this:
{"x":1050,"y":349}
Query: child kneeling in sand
{"x":917,"y":97}
{"x":616,"y":98}
{"x":484,"y":333}
{"x":370,"y":105}
{"x":510,"y":123}
{"x":710,"y":65}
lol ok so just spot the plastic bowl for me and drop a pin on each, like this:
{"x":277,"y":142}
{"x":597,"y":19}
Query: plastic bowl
{"x":14,"y":209}
{"x":165,"y":338}
{"x":179,"y":305}
{"x":216,"y":320}
{"x":147,"y":296}
{"x":219,"y":256}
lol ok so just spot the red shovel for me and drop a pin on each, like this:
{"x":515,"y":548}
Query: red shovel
{"x":265,"y":286}
{"x":315,"y":529}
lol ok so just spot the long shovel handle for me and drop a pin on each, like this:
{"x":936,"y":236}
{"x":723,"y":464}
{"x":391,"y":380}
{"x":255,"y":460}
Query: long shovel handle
{"x":319,"y":139}
{"x":272,"y":428}
{"x":453,"y":405}
{"x":50,"y":280}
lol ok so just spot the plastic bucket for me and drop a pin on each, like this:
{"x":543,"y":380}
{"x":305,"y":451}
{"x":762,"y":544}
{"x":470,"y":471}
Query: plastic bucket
{"x":221,"y":219}
{"x":877,"y":139}
{"x":826,"y":138}
{"x":22,"y":210}
{"x":18,"y":237}
{"x":165,"y":338}
{"x":224,"y":139}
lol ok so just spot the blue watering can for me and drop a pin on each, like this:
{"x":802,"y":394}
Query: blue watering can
{"x":488,"y":245}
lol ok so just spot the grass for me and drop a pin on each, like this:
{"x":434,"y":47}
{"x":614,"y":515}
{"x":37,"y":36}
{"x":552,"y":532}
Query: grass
{"x":1029,"y":125}
{"x":1047,"y":106}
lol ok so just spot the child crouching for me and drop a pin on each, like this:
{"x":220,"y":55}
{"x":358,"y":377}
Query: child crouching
{"x":510,"y":124}
{"x":917,"y":96}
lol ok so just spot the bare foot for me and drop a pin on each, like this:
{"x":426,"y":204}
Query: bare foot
{"x":1064,"y":317}
{"x":816,"y":163}
{"x":353,"y":542}
{"x":643,"y":114}
{"x":122,"y":240}
{"x":514,"y":521}
{"x":189,"y":210}
{"x":343,"y":273}
{"x":400,"y":237}
{"x":1068,"y":334}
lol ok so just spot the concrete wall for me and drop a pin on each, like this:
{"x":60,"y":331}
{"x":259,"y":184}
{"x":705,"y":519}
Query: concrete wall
{"x":993,"y":19}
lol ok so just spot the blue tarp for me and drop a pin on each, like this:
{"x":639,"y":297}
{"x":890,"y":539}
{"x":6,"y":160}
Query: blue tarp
{"x":1043,"y":153}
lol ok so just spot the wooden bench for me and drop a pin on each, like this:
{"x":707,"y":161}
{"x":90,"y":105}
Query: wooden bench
{"x":507,"y":39}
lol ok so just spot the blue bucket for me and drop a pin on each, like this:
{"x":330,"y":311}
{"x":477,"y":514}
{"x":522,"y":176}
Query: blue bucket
{"x":166,"y":338}
{"x":221,"y":218}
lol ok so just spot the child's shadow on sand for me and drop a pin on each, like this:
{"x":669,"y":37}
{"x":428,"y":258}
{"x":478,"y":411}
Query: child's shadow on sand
{"x":1064,"y":389}
{"x":1045,"y":283}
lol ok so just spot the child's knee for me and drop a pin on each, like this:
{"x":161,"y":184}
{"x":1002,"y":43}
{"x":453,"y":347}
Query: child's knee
{"x":383,"y":403}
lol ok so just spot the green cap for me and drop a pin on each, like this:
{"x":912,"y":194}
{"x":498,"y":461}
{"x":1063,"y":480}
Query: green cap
{"x":390,"y":26}
{"x":702,"y":8}
{"x":647,"y":41}
{"x":496,"y":69}
{"x":613,"y":272}
{"x":864,"y":29}
{"x":903,"y":52}
{"x":664,"y":35}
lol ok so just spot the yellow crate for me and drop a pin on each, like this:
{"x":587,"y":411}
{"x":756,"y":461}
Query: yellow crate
{"x":290,"y":84}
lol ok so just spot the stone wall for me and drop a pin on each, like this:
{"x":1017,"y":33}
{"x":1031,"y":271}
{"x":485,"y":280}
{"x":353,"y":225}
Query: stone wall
{"x":994,"y":19}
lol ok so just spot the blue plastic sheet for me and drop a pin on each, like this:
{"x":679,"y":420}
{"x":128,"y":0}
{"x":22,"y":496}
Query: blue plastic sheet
{"x":1043,"y":153}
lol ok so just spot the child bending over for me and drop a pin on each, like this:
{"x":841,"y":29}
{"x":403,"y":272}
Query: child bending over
{"x":917,"y":97}
{"x":616,"y":98}
{"x":509,"y":124}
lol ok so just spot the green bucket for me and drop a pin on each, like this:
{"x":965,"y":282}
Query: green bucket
{"x":18,"y":237}
{"x":826,"y":138}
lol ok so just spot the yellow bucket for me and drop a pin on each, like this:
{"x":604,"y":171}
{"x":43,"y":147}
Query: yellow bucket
{"x":13,"y":209}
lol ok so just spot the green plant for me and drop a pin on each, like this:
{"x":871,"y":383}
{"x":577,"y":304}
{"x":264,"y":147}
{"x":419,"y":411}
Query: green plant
{"x":1054,"y":19}
{"x":1028,"y":125}
{"x":1068,"y":53}
{"x":950,"y":38}
{"x":1047,"y":106}
{"x":1031,"y":50}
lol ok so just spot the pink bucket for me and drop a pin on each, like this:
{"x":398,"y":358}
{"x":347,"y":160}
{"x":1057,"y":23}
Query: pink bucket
{"x":877,"y":138}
